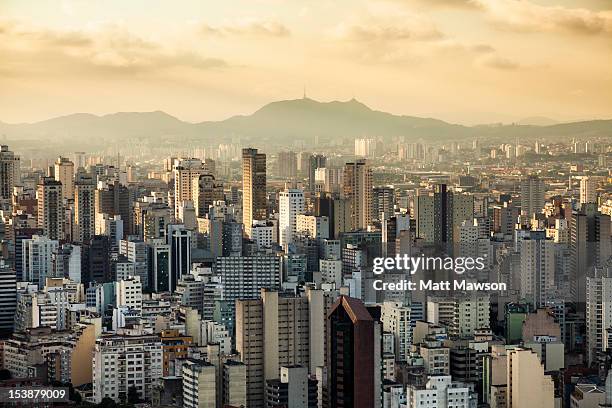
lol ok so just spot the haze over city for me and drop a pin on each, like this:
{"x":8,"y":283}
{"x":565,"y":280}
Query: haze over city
{"x":463,"y":61}
{"x":300,"y":204}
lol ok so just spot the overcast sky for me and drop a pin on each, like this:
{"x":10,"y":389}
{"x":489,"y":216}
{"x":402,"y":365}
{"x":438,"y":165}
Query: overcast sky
{"x":467,"y":61}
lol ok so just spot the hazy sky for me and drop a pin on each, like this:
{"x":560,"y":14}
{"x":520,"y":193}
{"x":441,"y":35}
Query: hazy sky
{"x":468,"y":61}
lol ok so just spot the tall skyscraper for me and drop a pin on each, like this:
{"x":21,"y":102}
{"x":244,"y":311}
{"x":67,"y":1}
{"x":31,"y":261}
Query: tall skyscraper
{"x":64,"y":173}
{"x":206,"y":190}
{"x":532,"y":195}
{"x":287,"y":165}
{"x":316,"y":161}
{"x":358,"y":190}
{"x":50,"y":208}
{"x":8,"y":298}
{"x":352,"y":356}
{"x":159,"y":265}
{"x":383,"y":201}
{"x":114,"y":199}
{"x":439,"y":214}
{"x":179,"y":239}
{"x":279,"y":330}
{"x":84,"y":207}
{"x":588,"y":190}
{"x":291,"y":204}
{"x":10,"y":174}
{"x":365,"y":147}
{"x":537,"y":267}
{"x":254,"y":203}
{"x":185,"y":172}
{"x":337,"y":210}
{"x":590,"y":247}
{"x":38,"y":259}
{"x":598,"y":313}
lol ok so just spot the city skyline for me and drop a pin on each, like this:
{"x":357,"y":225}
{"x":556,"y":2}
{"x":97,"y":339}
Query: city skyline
{"x":208,"y":62}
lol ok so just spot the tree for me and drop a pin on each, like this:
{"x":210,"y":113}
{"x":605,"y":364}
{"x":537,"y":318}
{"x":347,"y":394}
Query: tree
{"x":5,"y":375}
{"x":133,"y":396}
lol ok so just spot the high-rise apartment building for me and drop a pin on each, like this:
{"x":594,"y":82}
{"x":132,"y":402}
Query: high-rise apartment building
{"x":353,"y":356}
{"x":128,"y":293}
{"x":185,"y":172}
{"x":588,"y":190}
{"x":205,"y":191}
{"x":84,"y":207}
{"x":199,"y":384}
{"x":395,"y":319}
{"x":234,"y":384}
{"x":8,"y":298}
{"x":254,"y":203}
{"x":64,"y":173}
{"x":38,"y":259}
{"x":50,"y":208}
{"x":462,"y":314}
{"x":590,"y":246}
{"x":365,"y":147}
{"x":316,"y":161}
{"x":537,"y":267}
{"x":291,"y":203}
{"x":10,"y":174}
{"x":125,"y":361}
{"x":532,"y":195}
{"x":598,"y":313}
{"x":278,"y":330}
{"x":383,"y":201}
{"x":287,"y":165}
{"x":358,"y":190}
{"x":115,"y":199}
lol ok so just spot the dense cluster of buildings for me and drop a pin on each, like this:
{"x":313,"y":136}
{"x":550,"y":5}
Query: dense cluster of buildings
{"x":238,"y":278}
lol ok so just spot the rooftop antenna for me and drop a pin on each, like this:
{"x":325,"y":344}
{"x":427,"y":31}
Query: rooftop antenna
{"x":304,"y":96}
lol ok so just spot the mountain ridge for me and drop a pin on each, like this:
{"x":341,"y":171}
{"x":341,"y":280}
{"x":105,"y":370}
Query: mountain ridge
{"x":281,"y":121}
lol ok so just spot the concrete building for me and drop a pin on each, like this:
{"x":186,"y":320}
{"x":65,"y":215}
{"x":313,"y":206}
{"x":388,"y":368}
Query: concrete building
{"x":532,"y":195}
{"x":50,"y":208}
{"x":598,"y":312}
{"x":113,"y":198}
{"x":125,"y":360}
{"x":353,"y":356}
{"x":205,"y":191}
{"x":537,"y":267}
{"x":38,"y":258}
{"x":84,"y":207}
{"x":185,"y":172}
{"x":254,"y":203}
{"x":129,"y":293}
{"x":291,"y":204}
{"x":461,"y":314}
{"x":199,"y":379}
{"x":277,"y":331}
{"x":64,"y":173}
{"x":588,"y":190}
{"x":395,"y":319}
{"x":8,"y":298}
{"x":10,"y":174}
{"x":357,"y":189}
{"x":527,"y":384}
{"x":439,"y":392}
{"x":234,"y":384}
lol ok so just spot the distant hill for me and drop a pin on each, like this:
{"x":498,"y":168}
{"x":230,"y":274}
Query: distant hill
{"x":282,"y":121}
{"x":537,"y":121}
